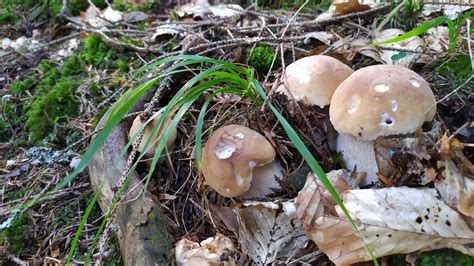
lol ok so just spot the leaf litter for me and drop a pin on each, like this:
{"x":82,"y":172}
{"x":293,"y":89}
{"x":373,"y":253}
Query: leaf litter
{"x":392,"y":220}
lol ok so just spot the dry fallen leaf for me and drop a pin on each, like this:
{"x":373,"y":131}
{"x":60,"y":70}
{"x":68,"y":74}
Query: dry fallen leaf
{"x":208,"y":252}
{"x":456,"y":189}
{"x":394,"y":57}
{"x":202,"y":8}
{"x":343,"y":7}
{"x":392,"y":221}
{"x":270,"y":231}
{"x":314,"y":200}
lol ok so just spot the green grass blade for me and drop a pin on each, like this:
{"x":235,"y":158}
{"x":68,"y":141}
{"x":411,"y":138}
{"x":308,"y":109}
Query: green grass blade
{"x":421,"y":29}
{"x":82,"y":224}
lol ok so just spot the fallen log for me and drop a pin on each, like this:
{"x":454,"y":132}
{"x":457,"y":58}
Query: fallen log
{"x":143,"y":234}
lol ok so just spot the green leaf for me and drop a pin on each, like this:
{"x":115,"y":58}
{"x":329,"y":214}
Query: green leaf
{"x":398,"y":56}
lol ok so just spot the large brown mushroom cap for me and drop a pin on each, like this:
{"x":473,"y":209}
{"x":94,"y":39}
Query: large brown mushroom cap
{"x":382,"y":100}
{"x":229,"y":157}
{"x":314,"y":79}
{"x":137,"y":123}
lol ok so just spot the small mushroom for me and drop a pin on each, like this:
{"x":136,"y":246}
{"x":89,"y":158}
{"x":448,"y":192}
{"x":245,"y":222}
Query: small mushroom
{"x":240,"y":162}
{"x":314,"y":79}
{"x":377,"y":101}
{"x":137,"y":123}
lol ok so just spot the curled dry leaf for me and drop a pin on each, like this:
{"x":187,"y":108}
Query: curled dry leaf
{"x":270,"y":231}
{"x":314,"y":200}
{"x":451,"y":11}
{"x":208,"y":252}
{"x":342,"y":7}
{"x":386,"y":56}
{"x":456,"y":189}
{"x":202,"y":8}
{"x":437,"y":39}
{"x":322,"y":36}
{"x":391,"y":221}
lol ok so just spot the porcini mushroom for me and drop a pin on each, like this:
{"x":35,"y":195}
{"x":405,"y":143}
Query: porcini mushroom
{"x":314,"y":79}
{"x":377,"y":101}
{"x":148,"y":130}
{"x":236,"y":158}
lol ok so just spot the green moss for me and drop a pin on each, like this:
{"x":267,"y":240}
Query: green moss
{"x":141,"y":26}
{"x":456,"y":69}
{"x":121,"y":5}
{"x":4,"y":129}
{"x":444,"y":257}
{"x":76,"y":6}
{"x":122,"y":65}
{"x":95,"y":51}
{"x":72,"y":66}
{"x":51,"y":108}
{"x":129,"y":40}
{"x":18,"y":236}
{"x":21,"y":86}
{"x":7,"y":17}
{"x":18,"y":3}
{"x":261,"y":58}
{"x":10,"y":119}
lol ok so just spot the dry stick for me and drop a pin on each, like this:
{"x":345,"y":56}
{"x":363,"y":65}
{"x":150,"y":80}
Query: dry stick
{"x":313,"y":23}
{"x":164,"y":84}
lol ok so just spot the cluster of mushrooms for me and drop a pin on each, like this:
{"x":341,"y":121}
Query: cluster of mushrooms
{"x":372,"y":102}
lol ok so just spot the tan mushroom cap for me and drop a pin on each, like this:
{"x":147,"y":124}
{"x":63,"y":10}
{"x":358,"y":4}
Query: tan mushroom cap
{"x":382,"y":100}
{"x":137,"y":123}
{"x":229,"y":157}
{"x":314,"y":79}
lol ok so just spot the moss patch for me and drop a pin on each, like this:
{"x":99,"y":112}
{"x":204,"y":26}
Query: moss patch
{"x":456,"y":69}
{"x":444,"y":257}
{"x":261,"y":58}
{"x":18,"y":235}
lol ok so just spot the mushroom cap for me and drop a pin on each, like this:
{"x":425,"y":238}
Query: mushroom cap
{"x":382,"y":100}
{"x":314,"y":79}
{"x":137,"y":123}
{"x":229,"y":156}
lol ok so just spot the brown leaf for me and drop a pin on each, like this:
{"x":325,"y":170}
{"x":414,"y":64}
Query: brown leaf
{"x":456,"y":189}
{"x":314,"y":200}
{"x":55,"y":253}
{"x":208,"y":252}
{"x":348,"y":6}
{"x":269,"y":231}
{"x":391,"y":221}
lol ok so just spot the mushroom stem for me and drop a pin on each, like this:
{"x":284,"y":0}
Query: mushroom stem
{"x":265,"y":180}
{"x":358,"y":154}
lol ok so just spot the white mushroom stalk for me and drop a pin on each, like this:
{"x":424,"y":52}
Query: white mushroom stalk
{"x":378,"y":101}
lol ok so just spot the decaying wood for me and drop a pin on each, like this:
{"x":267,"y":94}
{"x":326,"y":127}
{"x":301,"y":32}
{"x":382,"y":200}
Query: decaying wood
{"x":144,"y":238}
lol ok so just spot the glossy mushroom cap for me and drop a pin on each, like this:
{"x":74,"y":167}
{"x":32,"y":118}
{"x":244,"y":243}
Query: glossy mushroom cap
{"x":137,"y":123}
{"x":314,"y":79}
{"x":382,"y":100}
{"x":229,"y":157}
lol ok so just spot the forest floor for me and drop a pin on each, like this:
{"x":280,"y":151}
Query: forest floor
{"x":63,"y":67}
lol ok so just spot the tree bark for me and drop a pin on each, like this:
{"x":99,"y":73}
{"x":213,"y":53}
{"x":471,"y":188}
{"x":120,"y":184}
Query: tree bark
{"x":143,"y":234}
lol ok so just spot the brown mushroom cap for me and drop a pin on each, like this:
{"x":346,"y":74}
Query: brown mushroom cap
{"x":382,"y":100}
{"x":314,"y":79}
{"x":229,"y":157}
{"x":137,"y":123}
